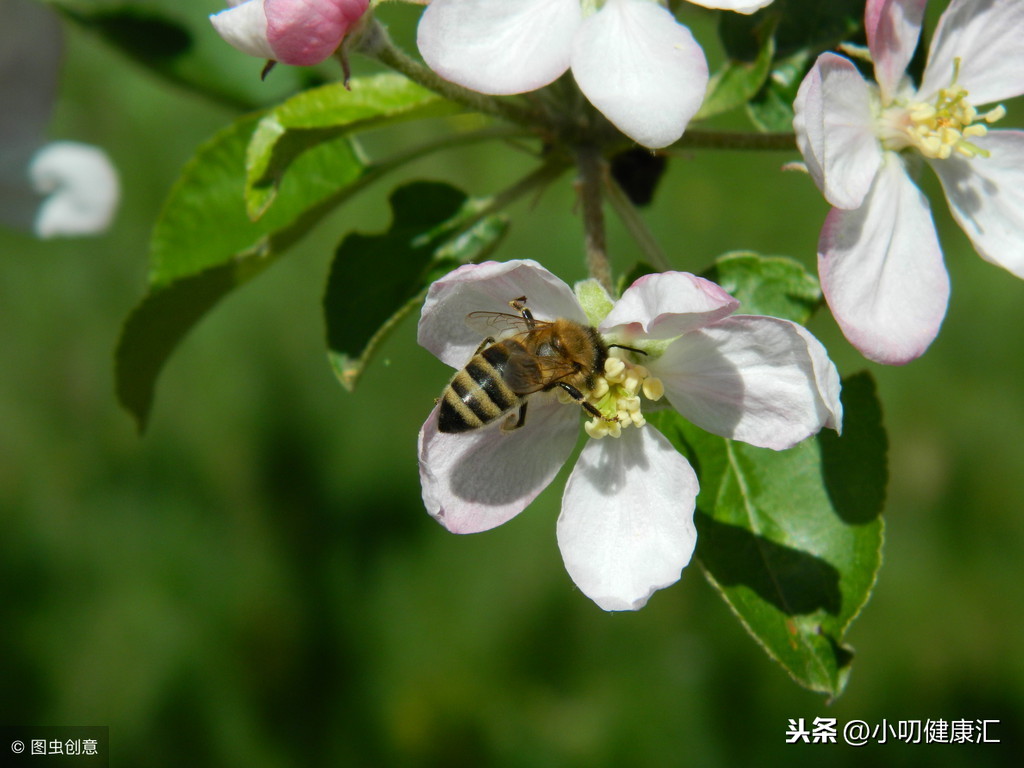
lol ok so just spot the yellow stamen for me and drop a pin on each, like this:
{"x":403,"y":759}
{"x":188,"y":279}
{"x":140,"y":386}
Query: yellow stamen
{"x":939,"y":129}
{"x":616,"y":394}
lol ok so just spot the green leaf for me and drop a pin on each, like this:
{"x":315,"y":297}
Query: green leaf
{"x":203,"y":222}
{"x":204,"y":246}
{"x":768,"y":285}
{"x":800,"y":29}
{"x":792,"y":539}
{"x":739,"y":80}
{"x":323,"y":114}
{"x":156,"y":327}
{"x":771,"y":109}
{"x":434,"y":229}
{"x":141,"y":33}
{"x":802,"y":25}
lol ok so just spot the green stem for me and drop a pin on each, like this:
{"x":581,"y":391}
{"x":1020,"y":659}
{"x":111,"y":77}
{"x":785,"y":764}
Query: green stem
{"x":636,"y":226}
{"x":550,"y":170}
{"x":491,"y":133}
{"x":592,"y":172}
{"x":377,"y":44}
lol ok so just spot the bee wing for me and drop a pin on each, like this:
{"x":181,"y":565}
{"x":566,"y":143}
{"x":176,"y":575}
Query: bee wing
{"x":527,"y":373}
{"x":497,"y":323}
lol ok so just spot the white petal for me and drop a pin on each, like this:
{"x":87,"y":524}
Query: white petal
{"x":751,"y":378}
{"x":626,"y":528}
{"x":893,"y":27}
{"x":474,"y":481}
{"x":809,"y":125}
{"x":641,"y":68}
{"x":83,"y":189}
{"x":881,"y":270}
{"x":497,"y":46}
{"x":986,"y":196}
{"x":740,"y":6}
{"x":988,"y":38}
{"x":488,"y":287}
{"x":835,"y":131}
{"x":826,"y":379}
{"x":666,"y":305}
{"x":245,"y":27}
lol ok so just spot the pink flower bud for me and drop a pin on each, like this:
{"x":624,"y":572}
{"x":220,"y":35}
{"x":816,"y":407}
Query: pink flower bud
{"x":299,"y":32}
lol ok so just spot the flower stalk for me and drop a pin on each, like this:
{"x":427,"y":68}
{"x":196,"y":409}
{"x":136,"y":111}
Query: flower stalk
{"x":592,"y":170}
{"x":376,"y":43}
{"x":635,"y":225}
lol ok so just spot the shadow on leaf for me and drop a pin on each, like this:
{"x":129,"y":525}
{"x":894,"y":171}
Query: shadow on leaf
{"x":854,"y":466}
{"x":793,"y":581}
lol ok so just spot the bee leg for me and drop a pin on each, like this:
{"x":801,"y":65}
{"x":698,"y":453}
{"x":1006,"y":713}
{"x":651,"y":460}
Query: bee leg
{"x":508,"y":426}
{"x":485,"y":343}
{"x":578,"y":396}
{"x":519,"y":305}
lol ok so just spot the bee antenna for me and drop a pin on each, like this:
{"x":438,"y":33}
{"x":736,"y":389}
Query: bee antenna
{"x":631,"y":349}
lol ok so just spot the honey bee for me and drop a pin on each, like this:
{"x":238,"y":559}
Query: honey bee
{"x":538,"y":357}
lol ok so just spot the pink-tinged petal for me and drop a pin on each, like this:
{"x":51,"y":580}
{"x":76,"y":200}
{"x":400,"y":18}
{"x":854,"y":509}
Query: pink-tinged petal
{"x":893,"y":27}
{"x":826,"y":379}
{"x":83,"y":189}
{"x":809,"y":125}
{"x":626,"y":528}
{"x":881,"y":270}
{"x":986,"y":196}
{"x":488,"y":287}
{"x":497,"y":46}
{"x":750,"y":378}
{"x":834,"y":124}
{"x":245,"y":27}
{"x":305,"y":32}
{"x":740,"y":6}
{"x":988,"y":38}
{"x":474,"y":481}
{"x":666,"y":305}
{"x":641,"y":68}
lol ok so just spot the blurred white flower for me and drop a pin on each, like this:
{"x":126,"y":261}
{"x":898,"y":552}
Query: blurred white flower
{"x":80,"y":180}
{"x":82,"y":188}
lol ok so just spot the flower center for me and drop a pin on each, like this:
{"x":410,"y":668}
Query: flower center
{"x":616,"y":394}
{"x":939,"y":128}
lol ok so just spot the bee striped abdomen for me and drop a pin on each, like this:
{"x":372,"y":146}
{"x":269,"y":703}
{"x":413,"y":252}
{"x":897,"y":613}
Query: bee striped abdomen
{"x":478,"y":394}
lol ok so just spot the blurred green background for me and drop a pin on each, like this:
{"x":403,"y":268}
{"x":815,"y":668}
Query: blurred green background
{"x":254,"y":581}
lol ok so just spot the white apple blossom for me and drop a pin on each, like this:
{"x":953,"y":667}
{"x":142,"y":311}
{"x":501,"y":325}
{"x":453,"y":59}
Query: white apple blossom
{"x":631,"y":58}
{"x":626,"y":526}
{"x":299,"y":32}
{"x":879,"y":258}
